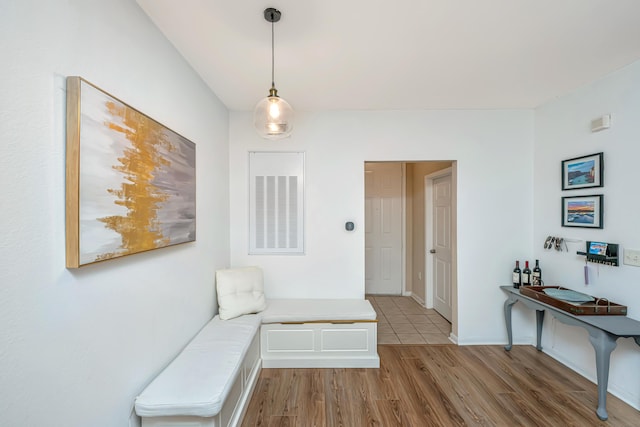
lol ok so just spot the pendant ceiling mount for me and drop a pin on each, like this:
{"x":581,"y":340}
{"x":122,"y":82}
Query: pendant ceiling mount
{"x":273,"y":116}
{"x":272,"y":15}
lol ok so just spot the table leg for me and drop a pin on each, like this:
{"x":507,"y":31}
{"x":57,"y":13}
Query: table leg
{"x":539,"y":321}
{"x":508,"y":304}
{"x":603,"y":343}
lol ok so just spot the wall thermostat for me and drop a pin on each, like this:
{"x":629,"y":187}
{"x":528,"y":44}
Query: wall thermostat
{"x":349,"y":226}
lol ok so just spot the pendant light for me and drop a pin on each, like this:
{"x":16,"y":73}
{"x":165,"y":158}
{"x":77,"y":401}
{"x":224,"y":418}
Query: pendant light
{"x":273,"y":116}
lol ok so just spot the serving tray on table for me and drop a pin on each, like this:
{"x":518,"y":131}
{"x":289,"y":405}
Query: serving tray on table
{"x":573,"y":302}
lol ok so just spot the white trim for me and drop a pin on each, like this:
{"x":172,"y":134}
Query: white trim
{"x":403,"y":228}
{"x":453,"y":338}
{"x":417,"y":299}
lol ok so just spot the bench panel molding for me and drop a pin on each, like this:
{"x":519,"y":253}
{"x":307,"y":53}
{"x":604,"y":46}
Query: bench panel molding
{"x":334,"y":345}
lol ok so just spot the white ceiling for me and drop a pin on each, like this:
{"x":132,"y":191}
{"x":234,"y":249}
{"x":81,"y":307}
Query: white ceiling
{"x":402,"y":54}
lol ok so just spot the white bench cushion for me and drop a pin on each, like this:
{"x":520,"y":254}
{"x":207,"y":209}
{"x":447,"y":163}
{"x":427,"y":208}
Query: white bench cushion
{"x":317,"y":310}
{"x":240,"y":291}
{"x":198,"y":381}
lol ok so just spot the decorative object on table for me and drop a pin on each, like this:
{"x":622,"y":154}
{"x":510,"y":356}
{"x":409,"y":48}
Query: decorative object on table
{"x":573,"y":302}
{"x":601,"y":253}
{"x":583,"y":211}
{"x":517,"y":275}
{"x":130,"y":181}
{"x":273,"y":116}
{"x":583,"y":172}
{"x":526,"y":275}
{"x":568,"y":295}
{"x":537,"y":275}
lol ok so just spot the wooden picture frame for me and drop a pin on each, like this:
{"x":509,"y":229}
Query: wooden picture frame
{"x":583,"y":172}
{"x":130,"y":181}
{"x":583,"y":211}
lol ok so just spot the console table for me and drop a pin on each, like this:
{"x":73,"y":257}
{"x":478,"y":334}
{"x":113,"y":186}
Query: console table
{"x":604,"y":331}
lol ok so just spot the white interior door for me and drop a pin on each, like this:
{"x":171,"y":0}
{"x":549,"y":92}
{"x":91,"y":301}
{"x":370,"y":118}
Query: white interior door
{"x":383,"y":228}
{"x":441,"y":250}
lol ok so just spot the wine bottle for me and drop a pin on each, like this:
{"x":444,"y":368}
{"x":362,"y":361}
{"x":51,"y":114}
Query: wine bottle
{"x":517,"y":275}
{"x":526,"y":275}
{"x":537,"y":274}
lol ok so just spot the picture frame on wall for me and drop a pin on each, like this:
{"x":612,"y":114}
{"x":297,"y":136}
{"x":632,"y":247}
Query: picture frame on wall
{"x":583,"y":172}
{"x":583,"y":211}
{"x":130,"y":181}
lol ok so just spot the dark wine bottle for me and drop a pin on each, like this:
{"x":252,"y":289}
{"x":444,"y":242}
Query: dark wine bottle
{"x":517,"y":275}
{"x":537,"y":274}
{"x":526,"y":275}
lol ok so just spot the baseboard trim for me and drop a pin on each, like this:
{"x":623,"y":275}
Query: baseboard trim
{"x":417,"y":299}
{"x":353,"y":362}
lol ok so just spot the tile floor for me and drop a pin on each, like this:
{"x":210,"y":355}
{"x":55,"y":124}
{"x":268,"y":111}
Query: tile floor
{"x":401,"y":320}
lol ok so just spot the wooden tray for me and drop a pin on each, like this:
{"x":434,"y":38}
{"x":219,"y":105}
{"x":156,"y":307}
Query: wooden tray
{"x":600,"y":306}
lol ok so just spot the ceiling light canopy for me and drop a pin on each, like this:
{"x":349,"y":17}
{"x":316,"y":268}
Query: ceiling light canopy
{"x":273,"y":116}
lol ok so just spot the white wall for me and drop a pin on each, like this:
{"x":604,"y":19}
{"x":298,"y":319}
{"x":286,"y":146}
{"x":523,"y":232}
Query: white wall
{"x":76,"y":347}
{"x":562,"y":130}
{"x":495,"y":166}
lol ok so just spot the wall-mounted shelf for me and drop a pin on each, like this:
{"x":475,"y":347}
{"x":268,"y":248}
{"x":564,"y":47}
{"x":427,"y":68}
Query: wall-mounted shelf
{"x":601,"y":253}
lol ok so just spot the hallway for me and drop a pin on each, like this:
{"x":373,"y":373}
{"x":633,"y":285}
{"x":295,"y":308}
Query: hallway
{"x":401,"y":320}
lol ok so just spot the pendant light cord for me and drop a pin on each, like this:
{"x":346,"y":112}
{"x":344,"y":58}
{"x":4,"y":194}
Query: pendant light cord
{"x":273,"y":84}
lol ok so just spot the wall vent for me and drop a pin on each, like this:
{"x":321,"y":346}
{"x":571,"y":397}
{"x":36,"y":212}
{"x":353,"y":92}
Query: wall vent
{"x":276,"y":205}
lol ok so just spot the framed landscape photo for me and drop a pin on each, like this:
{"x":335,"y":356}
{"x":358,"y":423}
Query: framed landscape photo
{"x":582,"y":211}
{"x":583,"y":172}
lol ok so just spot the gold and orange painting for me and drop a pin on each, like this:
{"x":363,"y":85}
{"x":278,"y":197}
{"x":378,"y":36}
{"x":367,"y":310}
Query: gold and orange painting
{"x":131,"y":182}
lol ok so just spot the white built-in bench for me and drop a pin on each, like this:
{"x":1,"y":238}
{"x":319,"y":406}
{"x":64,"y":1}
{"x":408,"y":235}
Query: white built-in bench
{"x":319,"y":333}
{"x":209,"y":384}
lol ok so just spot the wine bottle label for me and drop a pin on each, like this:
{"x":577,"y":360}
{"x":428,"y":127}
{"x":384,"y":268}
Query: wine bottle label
{"x":525,"y":278}
{"x":536,"y":274}
{"x":516,"y":278}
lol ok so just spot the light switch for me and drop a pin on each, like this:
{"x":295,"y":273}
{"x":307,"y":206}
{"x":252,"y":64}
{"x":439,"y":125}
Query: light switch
{"x":632,"y":257}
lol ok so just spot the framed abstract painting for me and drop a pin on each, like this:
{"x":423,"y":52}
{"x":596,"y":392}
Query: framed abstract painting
{"x":130,"y":181}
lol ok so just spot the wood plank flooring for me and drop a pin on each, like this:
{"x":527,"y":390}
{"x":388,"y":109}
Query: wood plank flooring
{"x":435,"y":385}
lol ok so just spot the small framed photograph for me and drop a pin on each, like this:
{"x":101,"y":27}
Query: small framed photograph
{"x":582,"y":211}
{"x":598,"y":248}
{"x":583,"y":172}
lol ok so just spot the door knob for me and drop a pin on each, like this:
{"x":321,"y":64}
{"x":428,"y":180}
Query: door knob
{"x":432,"y":251}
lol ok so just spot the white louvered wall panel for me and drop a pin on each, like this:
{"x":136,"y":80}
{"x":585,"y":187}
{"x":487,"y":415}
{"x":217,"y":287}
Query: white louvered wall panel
{"x":276,"y":205}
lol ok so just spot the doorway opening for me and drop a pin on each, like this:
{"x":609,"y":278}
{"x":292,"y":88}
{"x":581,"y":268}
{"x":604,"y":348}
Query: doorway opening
{"x":407,"y":235}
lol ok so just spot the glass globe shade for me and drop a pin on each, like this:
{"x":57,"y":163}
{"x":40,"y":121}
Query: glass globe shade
{"x":273,"y":118}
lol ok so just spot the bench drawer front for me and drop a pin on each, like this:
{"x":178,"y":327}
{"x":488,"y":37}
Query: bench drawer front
{"x":288,"y":339}
{"x":351,"y":339}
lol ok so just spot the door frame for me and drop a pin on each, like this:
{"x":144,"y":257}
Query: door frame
{"x":428,"y":229}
